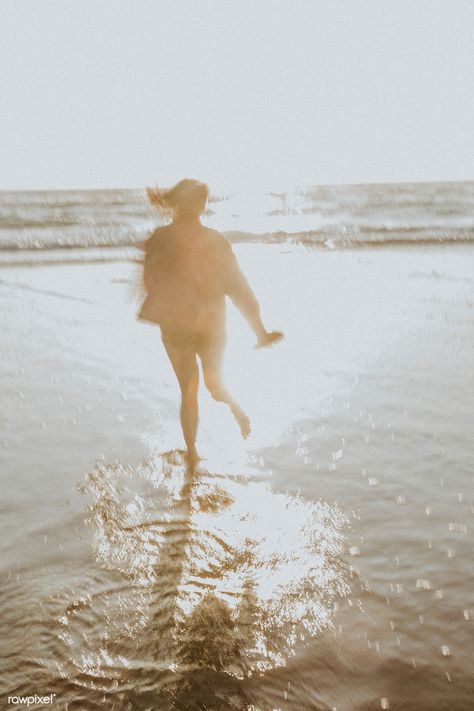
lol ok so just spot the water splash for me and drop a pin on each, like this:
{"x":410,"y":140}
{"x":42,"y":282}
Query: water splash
{"x":212,"y":579}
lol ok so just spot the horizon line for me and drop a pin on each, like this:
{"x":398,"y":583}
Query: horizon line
{"x":267,"y":190}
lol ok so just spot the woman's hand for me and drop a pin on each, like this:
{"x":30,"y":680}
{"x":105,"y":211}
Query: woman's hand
{"x":268,"y":338}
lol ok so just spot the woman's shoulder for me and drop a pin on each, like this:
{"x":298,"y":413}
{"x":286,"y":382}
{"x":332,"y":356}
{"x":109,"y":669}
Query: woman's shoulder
{"x":216,"y":238}
{"x":156,"y":238}
{"x":161,"y":232}
{"x":213,"y":233}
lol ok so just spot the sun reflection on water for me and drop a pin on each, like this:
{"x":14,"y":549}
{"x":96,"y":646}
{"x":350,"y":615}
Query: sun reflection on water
{"x":213,"y":572}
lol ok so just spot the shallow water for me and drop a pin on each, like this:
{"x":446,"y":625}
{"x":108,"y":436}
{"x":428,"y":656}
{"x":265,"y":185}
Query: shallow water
{"x":334,"y":216}
{"x":325,"y":563}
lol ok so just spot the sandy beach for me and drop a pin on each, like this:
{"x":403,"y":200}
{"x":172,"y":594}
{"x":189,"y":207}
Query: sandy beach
{"x":330,"y":554}
{"x":312,"y":548}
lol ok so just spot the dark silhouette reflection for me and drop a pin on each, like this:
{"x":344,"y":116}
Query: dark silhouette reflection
{"x":207,"y":646}
{"x":211,"y":645}
{"x":207,"y":582}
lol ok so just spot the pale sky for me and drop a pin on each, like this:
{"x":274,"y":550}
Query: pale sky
{"x":254,"y":93}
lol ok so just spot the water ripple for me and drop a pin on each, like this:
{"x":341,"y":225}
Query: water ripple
{"x":202,"y":584}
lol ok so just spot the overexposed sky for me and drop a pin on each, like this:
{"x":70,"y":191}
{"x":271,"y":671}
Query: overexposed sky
{"x":254,"y":93}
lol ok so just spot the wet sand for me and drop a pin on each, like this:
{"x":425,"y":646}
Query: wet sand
{"x":324,"y":563}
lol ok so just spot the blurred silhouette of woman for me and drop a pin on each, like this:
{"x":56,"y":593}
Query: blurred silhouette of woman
{"x":189,"y":269}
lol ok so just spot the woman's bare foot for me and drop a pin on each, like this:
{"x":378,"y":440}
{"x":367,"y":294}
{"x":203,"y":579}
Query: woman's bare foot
{"x":269,"y":338}
{"x":244,"y":424}
{"x":242,"y":420}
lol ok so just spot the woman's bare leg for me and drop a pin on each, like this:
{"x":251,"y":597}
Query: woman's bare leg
{"x":185,"y":366}
{"x":211,"y":355}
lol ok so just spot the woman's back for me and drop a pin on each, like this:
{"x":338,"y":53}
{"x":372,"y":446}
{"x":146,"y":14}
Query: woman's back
{"x":185,"y":274}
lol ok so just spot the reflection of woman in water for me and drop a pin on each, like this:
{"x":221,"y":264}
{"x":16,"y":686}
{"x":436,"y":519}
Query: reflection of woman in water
{"x":189,"y":269}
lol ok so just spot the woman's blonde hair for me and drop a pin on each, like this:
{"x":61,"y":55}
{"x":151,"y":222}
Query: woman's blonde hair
{"x":188,"y":197}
